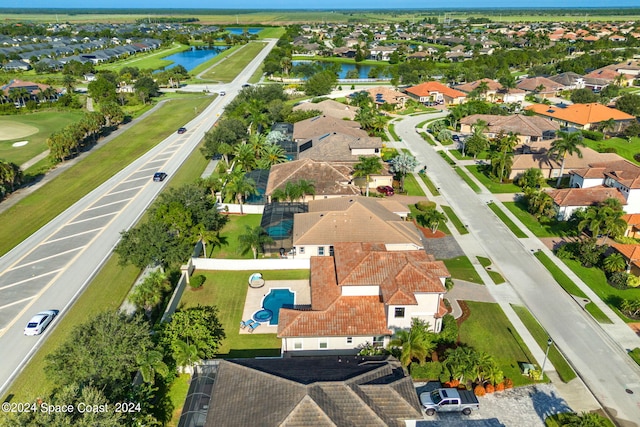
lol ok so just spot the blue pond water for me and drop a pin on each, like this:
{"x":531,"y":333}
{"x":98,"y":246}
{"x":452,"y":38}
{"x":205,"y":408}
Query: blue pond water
{"x":275,"y":299}
{"x":363,"y":70}
{"x":190,"y":59}
{"x":239,"y":31}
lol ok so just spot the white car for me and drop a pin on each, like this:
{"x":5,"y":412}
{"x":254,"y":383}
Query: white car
{"x":39,"y":322}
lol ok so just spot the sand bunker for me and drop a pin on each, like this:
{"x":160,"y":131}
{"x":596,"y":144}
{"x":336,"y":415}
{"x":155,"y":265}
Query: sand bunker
{"x":13,"y":130}
{"x":20,"y":143}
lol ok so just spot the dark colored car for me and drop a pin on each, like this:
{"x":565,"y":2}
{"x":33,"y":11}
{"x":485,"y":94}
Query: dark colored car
{"x":456,"y":138}
{"x":182,"y":130}
{"x":246,"y":85}
{"x":387,"y":190}
{"x":159,"y":176}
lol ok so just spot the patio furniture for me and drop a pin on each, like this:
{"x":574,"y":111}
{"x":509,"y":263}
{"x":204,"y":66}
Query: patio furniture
{"x":253,"y":326}
{"x":245,"y":323}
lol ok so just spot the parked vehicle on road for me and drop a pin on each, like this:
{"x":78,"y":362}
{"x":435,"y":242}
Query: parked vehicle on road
{"x":39,"y":322}
{"x":182,"y":130}
{"x":449,"y":400}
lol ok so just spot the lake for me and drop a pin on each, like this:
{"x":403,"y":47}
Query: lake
{"x":363,"y":70}
{"x":190,"y":59}
{"x":238,"y":31}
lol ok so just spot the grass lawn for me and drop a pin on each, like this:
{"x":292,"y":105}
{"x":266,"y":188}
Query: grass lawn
{"x":538,"y":333}
{"x":427,"y":138}
{"x":455,"y":220}
{"x":471,"y":183}
{"x":106,"y":292}
{"x":507,"y":221}
{"x":392,"y":131}
{"x":442,"y":226}
{"x":177,"y":393}
{"x":45,"y":122}
{"x":231,"y":231}
{"x":144,"y":61}
{"x":271,"y":32}
{"x":495,"y":276}
{"x":548,"y":228}
{"x":596,"y":280}
{"x":623,"y":147}
{"x":488,"y":330}
{"x":568,"y":285}
{"x":461,"y":268}
{"x":228,"y":69}
{"x":411,"y":186}
{"x":446,"y":158}
{"x":494,"y":187}
{"x":430,"y":185}
{"x":227,"y":290}
{"x":39,"y":207}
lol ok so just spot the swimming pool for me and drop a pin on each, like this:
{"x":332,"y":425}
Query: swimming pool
{"x":274,"y":300}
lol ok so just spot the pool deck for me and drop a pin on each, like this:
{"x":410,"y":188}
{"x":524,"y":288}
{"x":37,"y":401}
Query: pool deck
{"x":253,"y":302}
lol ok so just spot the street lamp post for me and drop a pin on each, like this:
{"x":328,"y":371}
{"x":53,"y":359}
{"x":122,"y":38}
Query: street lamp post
{"x":546,"y":354}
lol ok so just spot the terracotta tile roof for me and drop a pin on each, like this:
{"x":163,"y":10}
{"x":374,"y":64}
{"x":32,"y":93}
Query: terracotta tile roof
{"x":347,"y":316}
{"x":469,"y":87}
{"x":630,"y":252}
{"x":330,"y":108}
{"x":330,"y":179}
{"x":427,"y":88}
{"x":581,"y":114}
{"x":589,"y":173}
{"x":603,"y":73}
{"x":442,"y":309}
{"x":517,"y":123}
{"x":632,"y":219}
{"x":324,"y":288}
{"x":586,"y":196}
{"x":622,"y":171}
{"x":389,"y":95}
{"x":32,"y":88}
{"x":352,"y":219}
{"x":573,"y":162}
{"x":321,"y":125}
{"x":311,"y":391}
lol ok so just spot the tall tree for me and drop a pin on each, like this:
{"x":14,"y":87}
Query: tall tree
{"x":151,"y":364}
{"x":253,"y":239}
{"x":148,"y":294}
{"x":568,"y":143}
{"x":401,"y":165}
{"x":501,"y":160}
{"x":414,"y":344}
{"x":240,"y":187}
{"x":366,"y":167}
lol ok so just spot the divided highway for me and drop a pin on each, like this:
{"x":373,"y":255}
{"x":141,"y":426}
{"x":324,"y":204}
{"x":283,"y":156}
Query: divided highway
{"x":54,"y":265}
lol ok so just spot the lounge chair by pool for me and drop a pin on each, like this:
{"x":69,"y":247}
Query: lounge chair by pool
{"x":245,"y":323}
{"x":253,"y":326}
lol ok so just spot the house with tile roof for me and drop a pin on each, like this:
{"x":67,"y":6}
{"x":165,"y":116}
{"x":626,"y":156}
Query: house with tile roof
{"x":386,"y":95}
{"x":339,"y":147}
{"x":582,"y":116}
{"x":493,"y":87}
{"x":631,"y":254}
{"x":528,"y":128}
{"x":310,"y":391}
{"x":330,"y":108}
{"x":569,"y":200}
{"x":361,"y":295}
{"x":541,"y":86}
{"x":304,"y":130}
{"x":329,"y":179}
{"x":633,"y":225}
{"x":353,"y":219}
{"x":569,"y":80}
{"x":436,"y":92}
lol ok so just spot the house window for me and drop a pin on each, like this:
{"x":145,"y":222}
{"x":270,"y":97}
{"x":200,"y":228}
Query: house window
{"x":378,"y":341}
{"x":323,"y":344}
{"x":399,"y":312}
{"x":321,"y":251}
{"x":330,"y":250}
{"x":376,"y":150}
{"x":349,"y":340}
{"x":297,"y":345}
{"x":301,"y":250}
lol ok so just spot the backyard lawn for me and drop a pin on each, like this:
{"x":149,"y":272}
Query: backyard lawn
{"x":231,"y":231}
{"x":227,"y":291}
{"x":623,"y":147}
{"x":488,"y":330}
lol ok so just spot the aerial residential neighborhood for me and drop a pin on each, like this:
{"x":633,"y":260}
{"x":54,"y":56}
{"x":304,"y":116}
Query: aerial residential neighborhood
{"x":366,"y":218}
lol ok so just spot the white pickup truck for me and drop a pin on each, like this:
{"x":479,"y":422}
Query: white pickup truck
{"x":449,"y":400}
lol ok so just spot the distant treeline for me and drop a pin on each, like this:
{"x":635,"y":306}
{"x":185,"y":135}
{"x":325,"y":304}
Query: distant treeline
{"x":165,"y":20}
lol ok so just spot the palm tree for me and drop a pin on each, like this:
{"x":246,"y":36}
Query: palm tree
{"x":307,"y":187}
{"x":271,"y":154}
{"x":614,"y":262}
{"x":69,"y":82}
{"x":586,"y":419}
{"x":532,"y":178}
{"x":240,"y":187}
{"x":483,"y":88}
{"x":401,"y":165}
{"x":185,"y":355}
{"x":366,"y":167}
{"x":566,"y":144}
{"x":245,"y":157}
{"x":504,"y":148}
{"x":431,"y":218}
{"x":414,"y":344}
{"x":253,"y":239}
{"x":150,"y":363}
{"x":149,"y":293}
{"x":460,"y":363}
{"x":607,"y":126}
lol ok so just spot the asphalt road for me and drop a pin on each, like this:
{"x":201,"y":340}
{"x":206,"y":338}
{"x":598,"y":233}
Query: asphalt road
{"x":599,"y":360}
{"x":53,"y":266}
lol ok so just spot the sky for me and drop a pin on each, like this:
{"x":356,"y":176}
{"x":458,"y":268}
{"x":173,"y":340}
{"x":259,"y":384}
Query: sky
{"x":313,"y":4}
